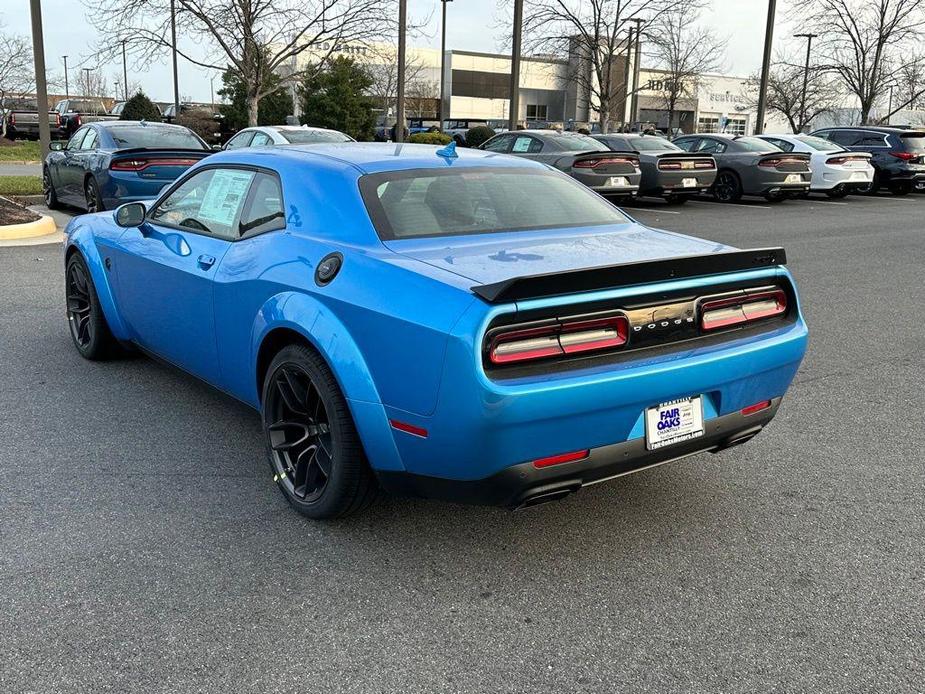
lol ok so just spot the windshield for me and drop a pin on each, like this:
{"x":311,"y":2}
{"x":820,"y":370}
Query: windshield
{"x":437,"y":202}
{"x":652,"y":144}
{"x":307,"y":137}
{"x":130,"y":136}
{"x":755,"y":144}
{"x":578,"y":143}
{"x":86,"y":106}
{"x":819,"y":144}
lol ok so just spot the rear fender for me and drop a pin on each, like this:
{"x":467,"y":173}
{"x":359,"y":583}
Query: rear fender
{"x":319,"y":327}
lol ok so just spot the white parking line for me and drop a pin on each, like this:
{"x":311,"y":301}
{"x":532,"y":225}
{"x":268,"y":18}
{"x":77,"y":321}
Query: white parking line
{"x":630,"y":210}
{"x":830,"y":202}
{"x":737,"y":204}
{"x":895,"y":199}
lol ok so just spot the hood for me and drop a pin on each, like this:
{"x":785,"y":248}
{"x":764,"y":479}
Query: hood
{"x":488,"y":258}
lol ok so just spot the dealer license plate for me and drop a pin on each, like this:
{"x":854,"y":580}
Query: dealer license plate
{"x":674,"y":422}
{"x":688,"y":182}
{"x":617,"y":182}
{"x":794,"y":178}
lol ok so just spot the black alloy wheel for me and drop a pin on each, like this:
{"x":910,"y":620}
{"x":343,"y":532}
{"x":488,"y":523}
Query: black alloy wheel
{"x":314,"y":450}
{"x":727,"y":188}
{"x":48,"y":190}
{"x":92,"y":195}
{"x":88,"y":326}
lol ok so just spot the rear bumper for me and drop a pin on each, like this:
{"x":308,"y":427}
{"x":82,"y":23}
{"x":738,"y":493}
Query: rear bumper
{"x":122,"y":187}
{"x":829,"y":179}
{"x":673,"y":182}
{"x":600,"y":183}
{"x":525,"y":485}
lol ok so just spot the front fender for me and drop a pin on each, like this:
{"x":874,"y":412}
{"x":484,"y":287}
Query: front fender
{"x":312,"y":320}
{"x":81,"y":237}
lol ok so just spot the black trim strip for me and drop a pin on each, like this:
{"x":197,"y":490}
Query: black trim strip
{"x":626,"y":274}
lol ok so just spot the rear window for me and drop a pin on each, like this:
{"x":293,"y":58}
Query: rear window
{"x":652,"y":144}
{"x":130,"y":136}
{"x":307,"y":137}
{"x":578,"y":143}
{"x":913,"y":142}
{"x":818,"y":144}
{"x":756,"y":144}
{"x":436,"y":202}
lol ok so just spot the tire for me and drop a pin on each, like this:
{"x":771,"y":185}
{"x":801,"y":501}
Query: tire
{"x":775,"y":197}
{"x":677,"y":199}
{"x":837,"y":193}
{"x":901,"y":188}
{"x":88,"y":327}
{"x":727,"y":187}
{"x":92,"y":196}
{"x":48,"y":191}
{"x":313,"y":448}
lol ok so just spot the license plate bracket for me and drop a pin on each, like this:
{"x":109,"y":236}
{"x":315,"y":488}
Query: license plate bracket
{"x":674,"y":422}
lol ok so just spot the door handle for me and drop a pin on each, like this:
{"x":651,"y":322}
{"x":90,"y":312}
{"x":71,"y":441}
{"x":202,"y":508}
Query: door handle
{"x":205,"y":261}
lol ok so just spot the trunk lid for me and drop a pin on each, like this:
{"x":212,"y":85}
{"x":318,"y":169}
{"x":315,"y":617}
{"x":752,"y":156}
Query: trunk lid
{"x":149,"y":163}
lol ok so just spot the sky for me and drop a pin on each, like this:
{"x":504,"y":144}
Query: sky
{"x":67,"y":32}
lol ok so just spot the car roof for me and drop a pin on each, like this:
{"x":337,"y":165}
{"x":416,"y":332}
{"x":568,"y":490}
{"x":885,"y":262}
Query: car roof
{"x":870,"y":128}
{"x":374,"y":157}
{"x":147,"y":124}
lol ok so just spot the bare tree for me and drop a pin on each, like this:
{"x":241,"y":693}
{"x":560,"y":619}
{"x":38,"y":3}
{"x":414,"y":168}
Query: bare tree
{"x":252,"y":38}
{"x":865,"y":43}
{"x":422,"y":97}
{"x":910,"y":83}
{"x":685,"y":50}
{"x":383,"y":70}
{"x":17,"y":76}
{"x":596,"y":32}
{"x":785,"y":93}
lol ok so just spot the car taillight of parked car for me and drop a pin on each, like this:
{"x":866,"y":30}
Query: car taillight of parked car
{"x":562,"y":338}
{"x":725,"y":312}
{"x":841,"y":161}
{"x":141,"y":164}
{"x":605,"y":161}
{"x":678,"y":166}
{"x":905,"y":156}
{"x":777,"y":162}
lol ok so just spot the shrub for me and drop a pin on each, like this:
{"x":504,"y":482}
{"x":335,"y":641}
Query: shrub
{"x":200,"y":122}
{"x":140,"y":107}
{"x":477,"y":135}
{"x":430,"y":139}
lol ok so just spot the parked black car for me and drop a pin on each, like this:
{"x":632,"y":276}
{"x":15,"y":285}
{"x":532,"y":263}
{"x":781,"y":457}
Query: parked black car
{"x":73,"y":113}
{"x":751,"y":166}
{"x":897,"y":154}
{"x":587,"y":160}
{"x":667,"y":170}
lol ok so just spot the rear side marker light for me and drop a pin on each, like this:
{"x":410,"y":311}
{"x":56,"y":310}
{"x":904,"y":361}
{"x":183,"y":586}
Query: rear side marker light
{"x":562,"y":458}
{"x":723,"y":313}
{"x":408,"y":428}
{"x":560,"y":339}
{"x":757,"y":407}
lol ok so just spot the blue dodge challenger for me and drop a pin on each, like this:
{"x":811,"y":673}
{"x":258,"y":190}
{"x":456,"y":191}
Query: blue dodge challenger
{"x":466,"y":326}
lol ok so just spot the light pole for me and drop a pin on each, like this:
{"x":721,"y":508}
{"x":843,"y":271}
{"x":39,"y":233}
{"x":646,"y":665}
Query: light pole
{"x":637,"y":58}
{"x":514,"y":113}
{"x":889,"y":107}
{"x":124,"y":73}
{"x":765,"y":67}
{"x":41,"y":88}
{"x":87,"y":71}
{"x":400,"y":106}
{"x":440,"y":114}
{"x":173,"y":48}
{"x":67,"y":91}
{"x":809,"y":44}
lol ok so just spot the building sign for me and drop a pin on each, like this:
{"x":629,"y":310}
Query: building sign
{"x":334,"y":47}
{"x":723,"y":98}
{"x":662,"y":86}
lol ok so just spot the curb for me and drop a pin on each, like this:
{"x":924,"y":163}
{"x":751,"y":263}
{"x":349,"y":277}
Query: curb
{"x":41,"y":227}
{"x":20,"y":162}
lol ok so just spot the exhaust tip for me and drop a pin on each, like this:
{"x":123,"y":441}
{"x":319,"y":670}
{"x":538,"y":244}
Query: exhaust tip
{"x":546,"y":496}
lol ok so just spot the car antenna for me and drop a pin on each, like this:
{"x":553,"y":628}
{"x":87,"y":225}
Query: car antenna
{"x":448,"y":152}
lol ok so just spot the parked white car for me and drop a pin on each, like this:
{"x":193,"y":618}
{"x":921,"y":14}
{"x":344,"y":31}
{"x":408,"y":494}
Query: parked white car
{"x":268,"y":135}
{"x":836,"y":171}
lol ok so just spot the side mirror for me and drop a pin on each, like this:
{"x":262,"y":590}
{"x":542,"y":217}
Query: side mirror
{"x":57,"y":146}
{"x":131,"y":214}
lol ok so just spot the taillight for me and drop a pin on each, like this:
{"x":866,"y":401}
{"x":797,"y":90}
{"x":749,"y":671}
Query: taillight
{"x":905,"y":156}
{"x":77,"y":120}
{"x":669,"y":165}
{"x":704,"y":164}
{"x":140,"y":164}
{"x":778,"y":161}
{"x":741,"y":308}
{"x":12,"y":119}
{"x":604,"y":161}
{"x":57,"y":119}
{"x":558,"y":339}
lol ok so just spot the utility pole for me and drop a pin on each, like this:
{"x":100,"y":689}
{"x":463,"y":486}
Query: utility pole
{"x":67,"y":91}
{"x":514,"y":114}
{"x":124,"y":73}
{"x":173,"y":48}
{"x":809,"y":44}
{"x":765,"y":67}
{"x":400,"y":107}
{"x":87,"y":71}
{"x":889,"y":108}
{"x":637,"y":59}
{"x":41,"y":88}
{"x":440,"y":114}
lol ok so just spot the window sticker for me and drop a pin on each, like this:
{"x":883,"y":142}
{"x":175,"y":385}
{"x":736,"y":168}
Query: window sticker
{"x":224,"y":196}
{"x":522,"y":144}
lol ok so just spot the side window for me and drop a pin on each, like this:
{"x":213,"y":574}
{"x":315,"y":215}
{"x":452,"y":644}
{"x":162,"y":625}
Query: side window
{"x":261,"y":139}
{"x":77,"y":138}
{"x":686,"y":145}
{"x":845,"y":138}
{"x":240,"y":140}
{"x":90,"y":140}
{"x":208,"y":202}
{"x":782,"y":144}
{"x":501,"y":143}
{"x":873,"y":140}
{"x":263,"y":210}
{"x":711,"y":146}
{"x":524,"y":144}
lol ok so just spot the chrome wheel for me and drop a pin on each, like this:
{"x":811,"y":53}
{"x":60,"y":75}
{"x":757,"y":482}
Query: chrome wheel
{"x":299,"y":433}
{"x":79,"y":305}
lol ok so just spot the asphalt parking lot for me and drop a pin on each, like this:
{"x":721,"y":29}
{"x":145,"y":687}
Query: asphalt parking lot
{"x":144,"y":546}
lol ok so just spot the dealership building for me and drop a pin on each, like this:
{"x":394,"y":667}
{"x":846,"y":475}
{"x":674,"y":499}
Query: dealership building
{"x":477,"y":87}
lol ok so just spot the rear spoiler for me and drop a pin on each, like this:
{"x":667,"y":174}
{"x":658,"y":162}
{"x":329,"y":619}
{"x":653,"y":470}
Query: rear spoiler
{"x":684,"y":155}
{"x":626,"y":274}
{"x":161,"y":150}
